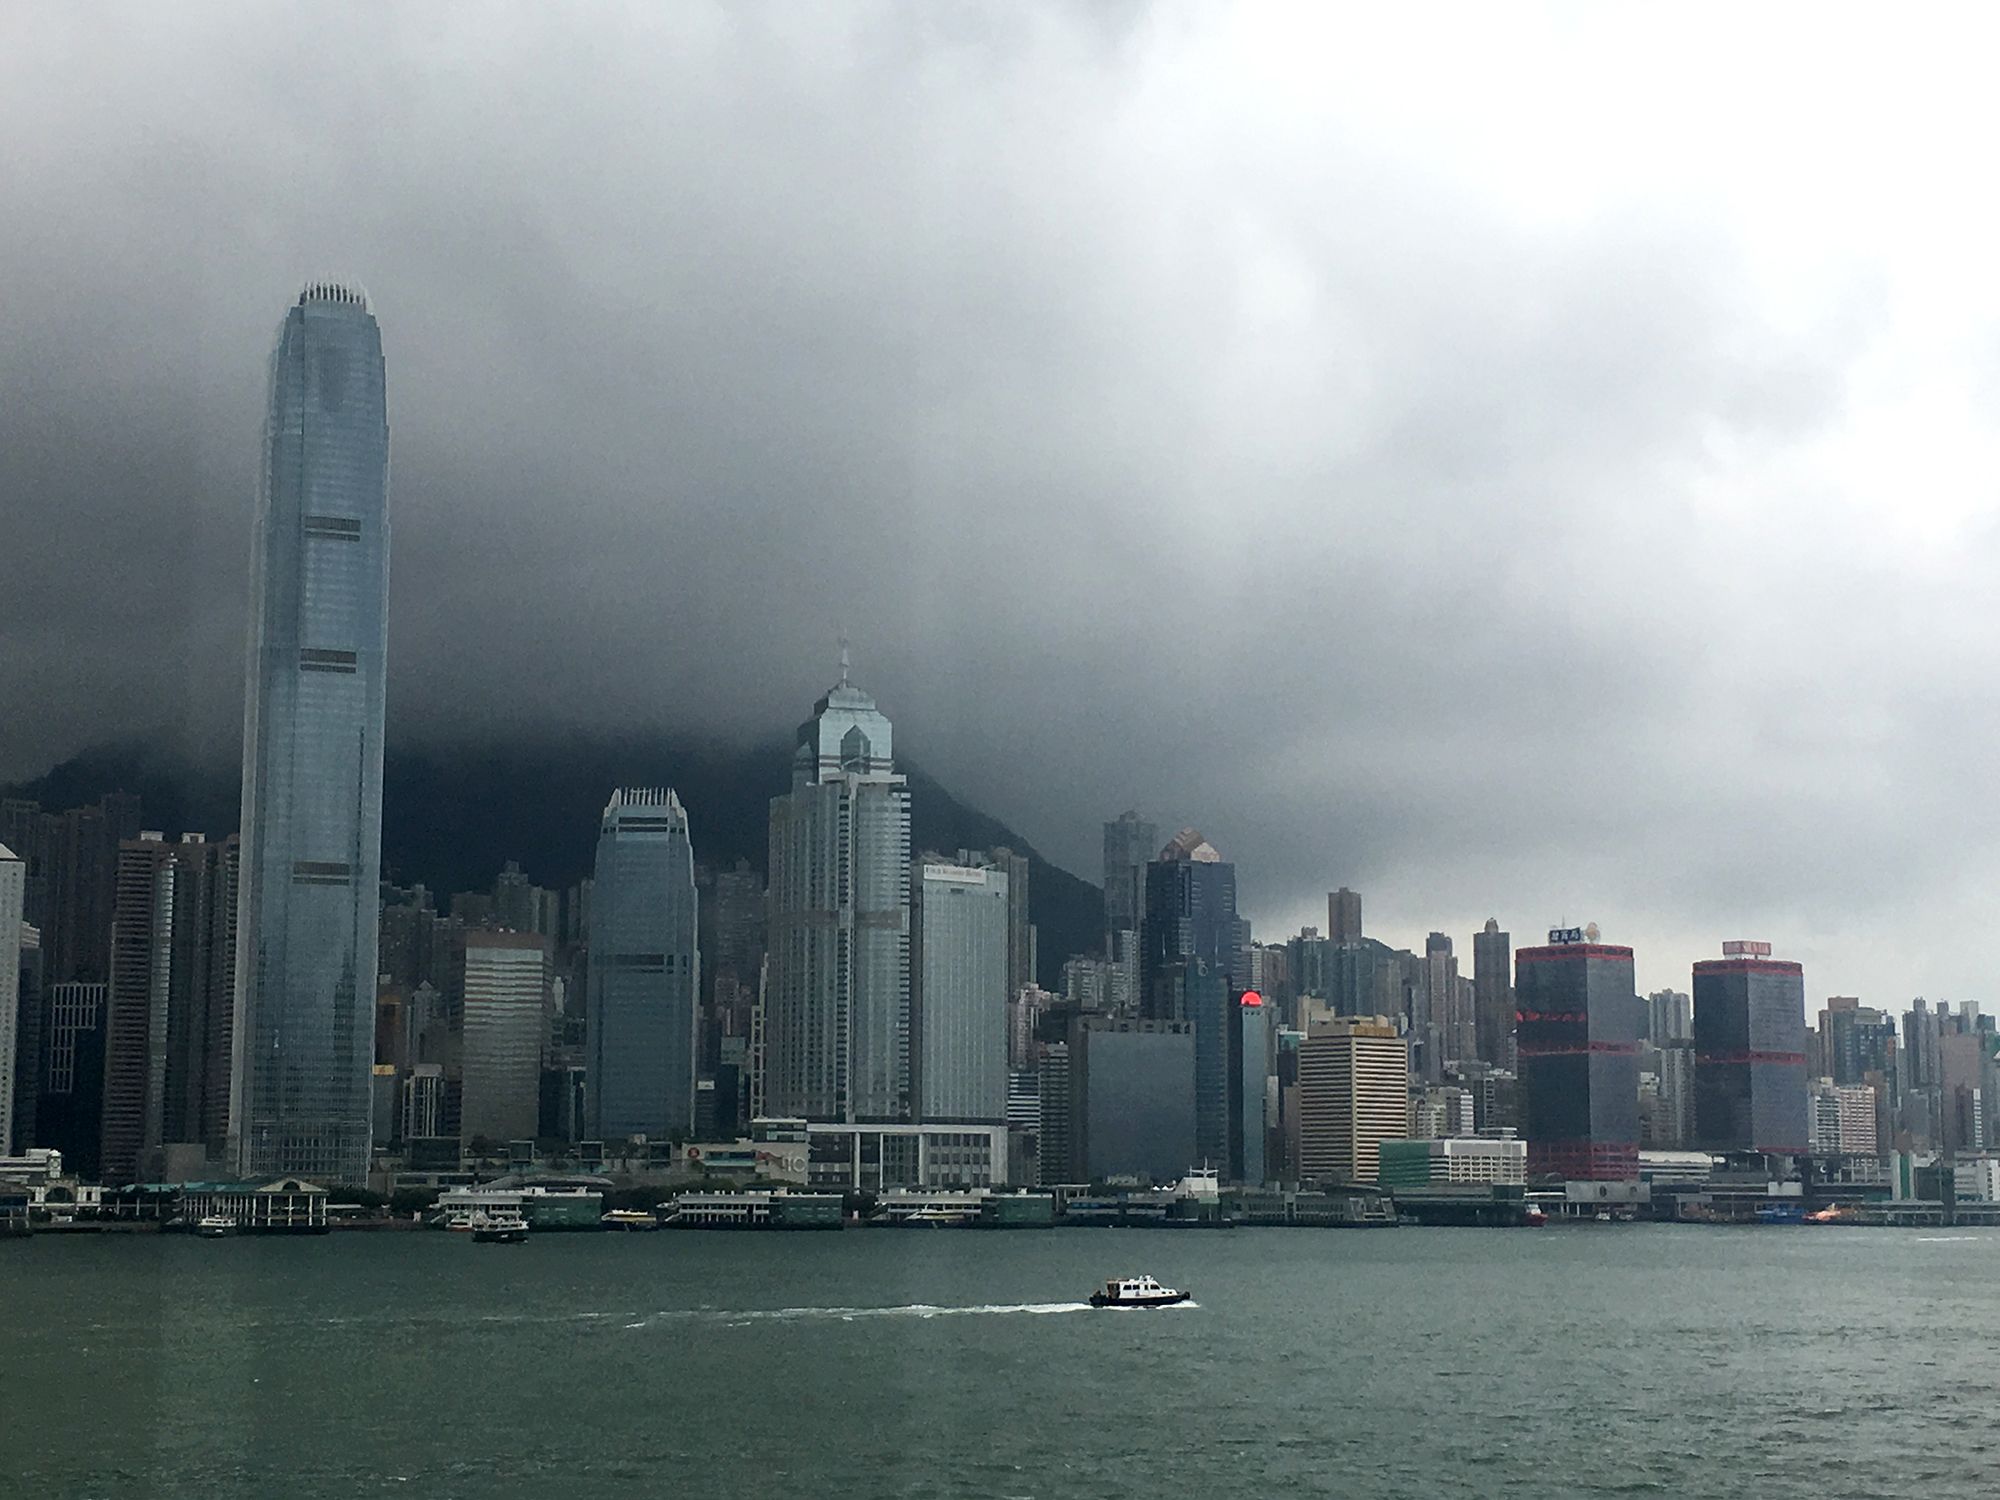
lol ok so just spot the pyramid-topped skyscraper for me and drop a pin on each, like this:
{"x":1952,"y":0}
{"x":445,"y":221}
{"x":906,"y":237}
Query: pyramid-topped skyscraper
{"x":838,"y":1002}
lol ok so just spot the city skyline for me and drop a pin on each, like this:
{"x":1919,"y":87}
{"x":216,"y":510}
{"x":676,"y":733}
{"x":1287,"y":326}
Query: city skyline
{"x":1394,"y":614}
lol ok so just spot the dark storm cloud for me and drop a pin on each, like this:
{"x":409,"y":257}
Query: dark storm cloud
{"x":1150,"y":452}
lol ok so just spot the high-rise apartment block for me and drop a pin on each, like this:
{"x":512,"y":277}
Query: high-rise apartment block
{"x":1669,"y":1017}
{"x":837,"y":1007}
{"x":1840,"y":1120}
{"x":645,"y":968}
{"x":1343,"y":916}
{"x":1493,"y":994}
{"x":959,"y":968}
{"x":1577,"y":1034}
{"x":1750,"y":1052}
{"x":1354,"y":1094}
{"x":171,"y":1008}
{"x":71,"y":879}
{"x":1353,"y":974}
{"x":1857,"y":1040}
{"x":1450,"y":1031}
{"x":312,"y":752}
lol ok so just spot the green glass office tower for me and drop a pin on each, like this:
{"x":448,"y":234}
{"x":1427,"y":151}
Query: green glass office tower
{"x":312,"y":752}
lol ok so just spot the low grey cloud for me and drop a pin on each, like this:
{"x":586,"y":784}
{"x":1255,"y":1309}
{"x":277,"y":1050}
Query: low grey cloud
{"x":1161,"y":433}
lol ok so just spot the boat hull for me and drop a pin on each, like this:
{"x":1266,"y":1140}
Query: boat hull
{"x":1100,"y":1299}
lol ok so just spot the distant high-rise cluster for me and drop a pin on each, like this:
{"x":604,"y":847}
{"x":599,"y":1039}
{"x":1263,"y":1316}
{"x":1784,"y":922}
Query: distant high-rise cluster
{"x":867,"y":1011}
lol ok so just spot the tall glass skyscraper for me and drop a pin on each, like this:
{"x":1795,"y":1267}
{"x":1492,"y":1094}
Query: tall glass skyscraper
{"x":644,"y":969}
{"x":312,"y":752}
{"x":838,"y":997}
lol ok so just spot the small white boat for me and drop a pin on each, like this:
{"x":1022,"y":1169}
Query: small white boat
{"x":1137,"y":1291}
{"x":215,"y":1226}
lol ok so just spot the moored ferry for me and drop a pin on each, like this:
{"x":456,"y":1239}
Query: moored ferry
{"x":631,"y":1220}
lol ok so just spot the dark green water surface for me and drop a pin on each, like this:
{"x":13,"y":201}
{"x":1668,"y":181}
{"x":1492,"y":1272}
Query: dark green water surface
{"x":1683,"y":1361}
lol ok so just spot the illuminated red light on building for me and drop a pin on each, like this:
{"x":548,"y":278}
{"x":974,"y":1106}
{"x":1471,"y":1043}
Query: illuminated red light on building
{"x":1251,"y":997}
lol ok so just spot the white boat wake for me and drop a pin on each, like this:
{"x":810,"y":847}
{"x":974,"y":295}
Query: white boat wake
{"x":857,"y":1314}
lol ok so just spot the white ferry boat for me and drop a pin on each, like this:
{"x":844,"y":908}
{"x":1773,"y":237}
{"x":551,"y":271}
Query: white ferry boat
{"x":215,"y":1226}
{"x":1137,"y":1291}
{"x":502,"y":1228}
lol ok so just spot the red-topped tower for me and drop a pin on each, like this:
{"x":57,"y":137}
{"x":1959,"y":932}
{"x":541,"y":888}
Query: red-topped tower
{"x":1750,"y":1052}
{"x":1577,"y":1033}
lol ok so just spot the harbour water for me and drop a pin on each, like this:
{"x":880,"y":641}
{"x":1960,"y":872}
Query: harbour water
{"x":1678,"y":1360}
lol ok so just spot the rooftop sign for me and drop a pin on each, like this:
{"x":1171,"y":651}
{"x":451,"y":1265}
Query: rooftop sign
{"x":1565,"y":934}
{"x":1746,"y":950}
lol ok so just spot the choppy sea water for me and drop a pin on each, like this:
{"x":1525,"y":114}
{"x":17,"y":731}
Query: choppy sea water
{"x":1619,"y":1359}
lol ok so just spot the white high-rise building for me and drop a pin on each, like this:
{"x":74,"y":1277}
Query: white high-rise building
{"x":504,"y":982}
{"x":302,"y":1081}
{"x":837,"y":1000}
{"x":1840,"y":1120}
{"x":959,"y":1006}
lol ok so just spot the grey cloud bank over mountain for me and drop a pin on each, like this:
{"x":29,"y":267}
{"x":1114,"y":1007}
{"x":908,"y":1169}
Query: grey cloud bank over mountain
{"x":1512,"y":474}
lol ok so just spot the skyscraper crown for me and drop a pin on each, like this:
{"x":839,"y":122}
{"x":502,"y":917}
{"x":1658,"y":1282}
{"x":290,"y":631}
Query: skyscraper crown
{"x":1188,"y":845}
{"x":635,"y":809}
{"x":846,"y":734}
{"x":334,"y":291}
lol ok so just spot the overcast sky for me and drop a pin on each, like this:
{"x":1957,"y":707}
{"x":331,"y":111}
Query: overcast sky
{"x":1524,"y":463}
